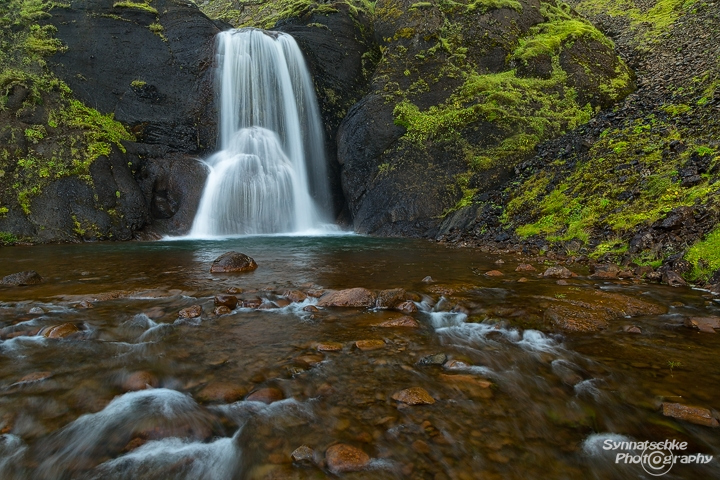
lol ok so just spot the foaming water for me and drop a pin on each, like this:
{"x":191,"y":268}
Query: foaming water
{"x":270,"y":173}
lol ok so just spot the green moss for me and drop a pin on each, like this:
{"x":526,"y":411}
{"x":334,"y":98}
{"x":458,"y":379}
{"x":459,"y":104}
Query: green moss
{"x":135,"y":6}
{"x":138,"y":83}
{"x":705,"y":256}
{"x":482,"y":6}
{"x":7,"y":239}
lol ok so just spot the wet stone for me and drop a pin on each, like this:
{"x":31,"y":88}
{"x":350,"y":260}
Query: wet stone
{"x":235,"y":290}
{"x":34,"y":377}
{"x":428,"y":279}
{"x":697,"y":415}
{"x":406,"y":307}
{"x":310,"y":360}
{"x":310,"y":308}
{"x":342,"y":458}
{"x":525,"y":267}
{"x":85,"y":304}
{"x":366,"y":345}
{"x":609,"y":271}
{"x":558,"y":272}
{"x":413,"y":396}
{"x":60,"y":331}
{"x":522,"y":280}
{"x":632,"y":329}
{"x":36,"y":311}
{"x":222,"y":310}
{"x":221,"y":392}
{"x":190,"y":312}
{"x":401,"y":322}
{"x":140,"y":381}
{"x":435,"y":359}
{"x":252,"y":302}
{"x":704,"y":324}
{"x":229,"y":301}
{"x":329,"y":347}
{"x":494,"y":273}
{"x":350,"y":298}
{"x":266,"y":395}
{"x":30,"y":277}
{"x":233,"y":262}
{"x":303,"y":455}
{"x":390,"y":298}
{"x":295,"y":296}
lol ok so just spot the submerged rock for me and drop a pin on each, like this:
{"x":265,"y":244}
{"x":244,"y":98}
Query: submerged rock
{"x":525,"y":267}
{"x":329,"y":347}
{"x":704,"y":324}
{"x":30,"y":277}
{"x":390,"y":298}
{"x":435,"y":359}
{"x":414,"y":396}
{"x":303,"y":455}
{"x":697,"y":415}
{"x":266,"y":395}
{"x":295,"y":296}
{"x":221,"y":392}
{"x":558,"y":272}
{"x":407,"y":307}
{"x":233,"y":262}
{"x":353,"y":297}
{"x":369,"y":344}
{"x":140,"y":381}
{"x":494,"y":273}
{"x":60,"y":331}
{"x":342,"y":458}
{"x":404,"y":322}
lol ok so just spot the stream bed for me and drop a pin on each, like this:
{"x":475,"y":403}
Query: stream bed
{"x":101,"y":378}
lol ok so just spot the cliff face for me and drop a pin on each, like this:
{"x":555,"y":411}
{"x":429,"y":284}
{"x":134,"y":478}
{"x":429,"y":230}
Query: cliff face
{"x":436,"y":102}
{"x":107,"y":105}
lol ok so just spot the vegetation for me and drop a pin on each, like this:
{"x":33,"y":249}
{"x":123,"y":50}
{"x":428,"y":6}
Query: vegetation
{"x":145,"y":7}
{"x":65,"y":136}
{"x":705,"y":256}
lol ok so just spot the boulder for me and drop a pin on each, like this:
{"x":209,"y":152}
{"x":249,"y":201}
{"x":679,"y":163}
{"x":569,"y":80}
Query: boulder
{"x":221,"y":392}
{"x":266,"y":395}
{"x":63,"y":330}
{"x":366,"y":345}
{"x":229,"y":301}
{"x":558,"y":272}
{"x":233,"y":262}
{"x":390,"y":298}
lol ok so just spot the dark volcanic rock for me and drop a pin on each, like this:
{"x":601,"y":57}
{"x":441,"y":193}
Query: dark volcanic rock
{"x":233,"y":262}
{"x":31,"y":277}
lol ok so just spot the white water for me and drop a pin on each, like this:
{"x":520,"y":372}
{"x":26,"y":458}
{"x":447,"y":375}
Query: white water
{"x":270,"y":173}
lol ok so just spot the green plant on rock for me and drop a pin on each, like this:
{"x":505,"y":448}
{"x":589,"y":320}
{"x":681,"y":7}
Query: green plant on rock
{"x":705,"y":256}
{"x":142,"y":6}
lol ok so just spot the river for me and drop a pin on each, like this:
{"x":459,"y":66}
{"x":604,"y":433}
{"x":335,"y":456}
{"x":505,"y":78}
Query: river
{"x":512,"y":398}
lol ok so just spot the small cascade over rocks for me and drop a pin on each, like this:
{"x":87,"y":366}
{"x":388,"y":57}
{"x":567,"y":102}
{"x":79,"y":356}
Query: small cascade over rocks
{"x":270,"y":175}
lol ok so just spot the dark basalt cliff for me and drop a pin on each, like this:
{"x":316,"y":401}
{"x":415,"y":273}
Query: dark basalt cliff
{"x":150,"y":68}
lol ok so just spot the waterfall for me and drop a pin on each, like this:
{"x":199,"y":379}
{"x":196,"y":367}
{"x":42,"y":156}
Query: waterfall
{"x":269,"y":175}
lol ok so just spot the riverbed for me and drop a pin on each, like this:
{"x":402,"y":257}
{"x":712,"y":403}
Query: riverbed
{"x":132,"y":389}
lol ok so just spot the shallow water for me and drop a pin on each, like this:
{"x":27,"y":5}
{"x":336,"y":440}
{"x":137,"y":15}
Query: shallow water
{"x":65,"y":412}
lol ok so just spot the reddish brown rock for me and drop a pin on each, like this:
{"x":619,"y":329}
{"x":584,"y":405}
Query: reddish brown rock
{"x":697,"y":415}
{"x":407,"y":307}
{"x":310,"y":360}
{"x":221,"y":392}
{"x":193,"y":311}
{"x":414,"y":396}
{"x":266,"y":395}
{"x":494,"y":273}
{"x":390,"y":298}
{"x":466,"y":380}
{"x":525,"y":267}
{"x":140,"y":381}
{"x":329,"y":347}
{"x":576,"y":318}
{"x":704,"y":324}
{"x":34,"y":377}
{"x":222,"y":310}
{"x":295,"y":296}
{"x":558,"y":272}
{"x":522,"y":280}
{"x":370,"y":344}
{"x":342,"y":458}
{"x":252,"y":302}
{"x":229,"y":301}
{"x":60,"y":331}
{"x":85,"y":304}
{"x":316,"y":293}
{"x":235,"y":290}
{"x":605,"y":272}
{"x":310,"y":308}
{"x":402,"y":322}
{"x":353,"y":298}
{"x":233,"y":262}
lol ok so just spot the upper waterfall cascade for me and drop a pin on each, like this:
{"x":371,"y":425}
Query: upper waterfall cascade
{"x":269,"y":175}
